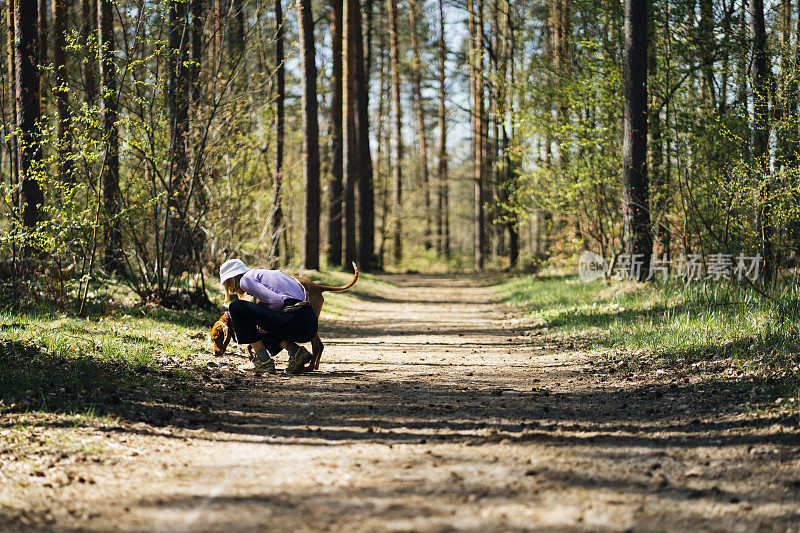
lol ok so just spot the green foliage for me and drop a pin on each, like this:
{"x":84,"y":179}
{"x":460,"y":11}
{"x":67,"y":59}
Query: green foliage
{"x":568,"y":126}
{"x":221,"y":195}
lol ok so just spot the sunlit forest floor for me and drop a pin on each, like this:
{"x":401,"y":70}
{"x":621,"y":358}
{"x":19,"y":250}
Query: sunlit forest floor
{"x":442,"y":402}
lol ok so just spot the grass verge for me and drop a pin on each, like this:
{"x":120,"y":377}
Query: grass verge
{"x":122,"y":356}
{"x":728,"y":324}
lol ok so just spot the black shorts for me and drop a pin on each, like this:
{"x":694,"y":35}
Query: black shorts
{"x":299,"y":325}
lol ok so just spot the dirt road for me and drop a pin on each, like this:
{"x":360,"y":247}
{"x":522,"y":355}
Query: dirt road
{"x":434,"y":410}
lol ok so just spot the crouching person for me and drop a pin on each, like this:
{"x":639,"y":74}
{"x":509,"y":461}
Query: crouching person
{"x":283,"y":318}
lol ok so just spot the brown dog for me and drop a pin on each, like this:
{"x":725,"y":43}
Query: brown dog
{"x":222,"y":331}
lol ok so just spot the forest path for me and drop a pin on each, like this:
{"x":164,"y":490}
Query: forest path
{"x":433,"y":411}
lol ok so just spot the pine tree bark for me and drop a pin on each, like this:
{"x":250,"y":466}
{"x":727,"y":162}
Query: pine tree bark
{"x":761,"y":92}
{"x":110,"y":174}
{"x":476,"y":71}
{"x":423,"y":137}
{"x":26,"y":56}
{"x":310,"y":256}
{"x":199,"y":200}
{"x":563,"y":56}
{"x":492,"y":190}
{"x":43,"y":55}
{"x":217,"y":43}
{"x":509,"y":169}
{"x":350,"y":148}
{"x":442,"y":244}
{"x":656,"y":175}
{"x":60,"y":20}
{"x":12,"y":91}
{"x":366,"y":193}
{"x":788,"y":133}
{"x":236,"y":18}
{"x":379,"y":176}
{"x":178,"y":97}
{"x":707,"y":52}
{"x":89,"y":63}
{"x":280,"y":96}
{"x":368,"y":23}
{"x":636,"y":210}
{"x":335,"y":187}
{"x":397,"y":170}
{"x":198,"y":19}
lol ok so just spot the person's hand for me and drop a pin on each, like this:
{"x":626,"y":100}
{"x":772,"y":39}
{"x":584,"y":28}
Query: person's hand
{"x":260,"y":330}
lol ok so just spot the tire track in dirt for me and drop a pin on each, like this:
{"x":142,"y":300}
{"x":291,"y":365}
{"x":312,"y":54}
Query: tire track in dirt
{"x":435,"y":411}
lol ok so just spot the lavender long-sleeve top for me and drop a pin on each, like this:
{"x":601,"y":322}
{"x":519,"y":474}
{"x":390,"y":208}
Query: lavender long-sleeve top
{"x":271,"y":287}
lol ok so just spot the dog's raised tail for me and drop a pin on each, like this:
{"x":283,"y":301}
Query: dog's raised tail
{"x":330,"y":288}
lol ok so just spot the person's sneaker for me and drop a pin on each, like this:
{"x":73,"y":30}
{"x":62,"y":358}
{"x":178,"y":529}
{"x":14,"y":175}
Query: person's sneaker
{"x":259,"y":367}
{"x":298,"y":360}
{"x":264,"y":367}
{"x":247,"y":367}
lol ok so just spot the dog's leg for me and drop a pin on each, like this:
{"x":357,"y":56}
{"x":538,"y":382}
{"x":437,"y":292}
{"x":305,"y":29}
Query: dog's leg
{"x":316,"y":351}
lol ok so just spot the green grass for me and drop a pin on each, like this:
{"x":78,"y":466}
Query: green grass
{"x":673,"y":320}
{"x":103,"y":364}
{"x":123,"y":355}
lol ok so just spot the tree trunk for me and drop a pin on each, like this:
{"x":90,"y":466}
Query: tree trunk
{"x":656,"y":176}
{"x":476,"y":71}
{"x":12,"y":91}
{"x":236,"y":18}
{"x":43,"y":55}
{"x":217,"y":43}
{"x":787,"y":134}
{"x":60,"y":20}
{"x":761,"y":93}
{"x":397,"y":171}
{"x":366,"y":194}
{"x":335,"y":186}
{"x":89,"y":63}
{"x":178,"y":245}
{"x":110,"y":175}
{"x":636,"y":212}
{"x":563,"y":56}
{"x":350,"y":150}
{"x":280,"y":90}
{"x":197,"y":237}
{"x":198,"y":18}
{"x":26,"y":52}
{"x":305,"y":22}
{"x":423,"y":138}
{"x":707,"y":48}
{"x":441,"y":213}
{"x":381,"y":152}
{"x":369,"y":9}
{"x":509,"y":169}
{"x":492,"y":190}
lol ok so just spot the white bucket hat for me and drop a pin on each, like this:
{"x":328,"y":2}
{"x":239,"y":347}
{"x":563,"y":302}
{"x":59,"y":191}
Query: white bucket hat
{"x":231,"y":268}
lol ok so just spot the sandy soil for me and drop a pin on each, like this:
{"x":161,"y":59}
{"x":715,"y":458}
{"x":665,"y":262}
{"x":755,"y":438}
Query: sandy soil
{"x":434,"y":410}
